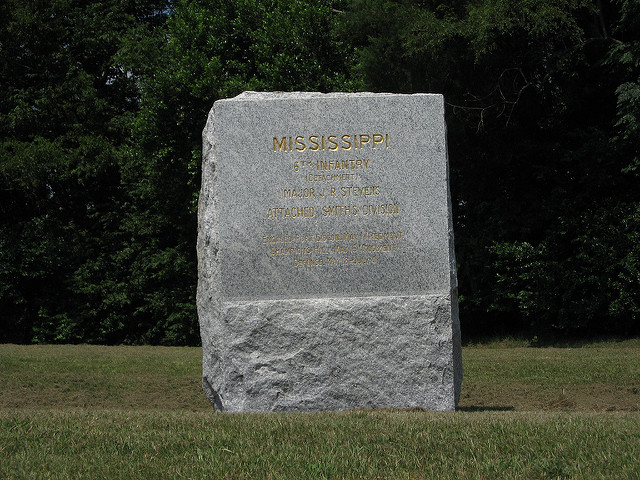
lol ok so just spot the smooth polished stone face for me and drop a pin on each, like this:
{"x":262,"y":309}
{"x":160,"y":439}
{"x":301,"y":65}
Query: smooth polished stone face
{"x":332,"y":196}
{"x":314,"y":203}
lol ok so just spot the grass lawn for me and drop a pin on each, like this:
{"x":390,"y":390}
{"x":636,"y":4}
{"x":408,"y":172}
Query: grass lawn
{"x":139,"y":412}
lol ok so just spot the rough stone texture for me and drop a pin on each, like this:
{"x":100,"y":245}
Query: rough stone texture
{"x":337,"y":311}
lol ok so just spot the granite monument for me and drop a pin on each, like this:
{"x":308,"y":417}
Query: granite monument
{"x":325,"y":253}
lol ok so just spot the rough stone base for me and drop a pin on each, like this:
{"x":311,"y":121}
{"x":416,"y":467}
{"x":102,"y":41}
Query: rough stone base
{"x":332,"y":354}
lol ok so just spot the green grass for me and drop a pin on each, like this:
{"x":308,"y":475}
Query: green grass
{"x":69,"y":376}
{"x":364,"y":444}
{"x":602,"y":376}
{"x":83,"y":412}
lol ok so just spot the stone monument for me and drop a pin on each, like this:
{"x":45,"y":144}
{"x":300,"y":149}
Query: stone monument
{"x":325,"y":254}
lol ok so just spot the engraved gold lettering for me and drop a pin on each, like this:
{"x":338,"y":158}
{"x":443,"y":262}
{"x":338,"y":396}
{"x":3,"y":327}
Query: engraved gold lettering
{"x":342,"y":177}
{"x":351,"y":191}
{"x":314,"y":143}
{"x":339,"y":210}
{"x":379,"y":248}
{"x":307,"y":262}
{"x":358,"y":260}
{"x":278,"y":213}
{"x":275,"y":251}
{"x":330,"y":237}
{"x":385,"y":209}
{"x":278,"y":239}
{"x":352,"y":164}
{"x":279,"y":144}
{"x":384,"y":235}
{"x":336,"y":249}
{"x":298,"y":193}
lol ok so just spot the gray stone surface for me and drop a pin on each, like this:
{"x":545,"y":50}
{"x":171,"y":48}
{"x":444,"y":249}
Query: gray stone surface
{"x":325,"y":249}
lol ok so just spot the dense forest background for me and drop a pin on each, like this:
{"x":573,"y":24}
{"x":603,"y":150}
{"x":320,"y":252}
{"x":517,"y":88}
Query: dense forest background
{"x":102,"y":105}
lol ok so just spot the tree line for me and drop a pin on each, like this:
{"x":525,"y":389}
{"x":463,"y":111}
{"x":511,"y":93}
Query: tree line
{"x":102,"y":105}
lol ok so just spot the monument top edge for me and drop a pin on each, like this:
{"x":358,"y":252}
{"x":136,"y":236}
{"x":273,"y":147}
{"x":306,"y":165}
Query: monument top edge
{"x":253,"y":95}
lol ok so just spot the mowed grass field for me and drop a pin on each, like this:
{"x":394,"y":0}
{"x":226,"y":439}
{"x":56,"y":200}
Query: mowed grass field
{"x":93,"y":412}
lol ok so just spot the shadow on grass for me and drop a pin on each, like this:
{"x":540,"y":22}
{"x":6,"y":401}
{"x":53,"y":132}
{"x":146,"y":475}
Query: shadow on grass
{"x":478,"y":408}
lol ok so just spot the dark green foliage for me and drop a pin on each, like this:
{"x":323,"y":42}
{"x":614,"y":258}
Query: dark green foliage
{"x":102,"y":107}
{"x":212,"y":50}
{"x":66,"y":110}
{"x":100,"y":156}
{"x":543,"y":109}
